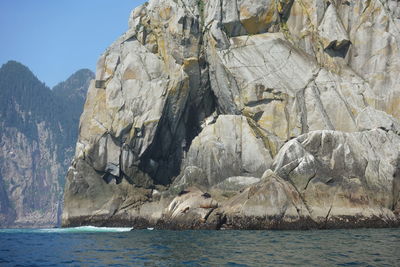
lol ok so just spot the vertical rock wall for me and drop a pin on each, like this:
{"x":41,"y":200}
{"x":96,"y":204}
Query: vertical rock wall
{"x":208,"y":95}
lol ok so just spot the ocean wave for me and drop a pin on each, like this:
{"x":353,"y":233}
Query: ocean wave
{"x":87,"y":229}
{"x":81,"y":229}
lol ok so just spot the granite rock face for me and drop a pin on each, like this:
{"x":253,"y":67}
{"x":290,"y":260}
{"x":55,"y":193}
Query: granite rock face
{"x":243,"y":114}
{"x":37,"y":134}
{"x":344,"y":177}
{"x":229,"y":147}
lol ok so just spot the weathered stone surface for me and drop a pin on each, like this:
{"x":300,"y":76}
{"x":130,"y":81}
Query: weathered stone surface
{"x":342,"y":175}
{"x":236,"y":184}
{"x":268,"y":73}
{"x":191,"y":176}
{"x":202,"y":96}
{"x":248,"y":17}
{"x":189,"y":210}
{"x":285,"y":90}
{"x":228,"y":148}
{"x":331,"y":30}
{"x":371,"y":118}
{"x":373,"y":31}
{"x":272,"y":203}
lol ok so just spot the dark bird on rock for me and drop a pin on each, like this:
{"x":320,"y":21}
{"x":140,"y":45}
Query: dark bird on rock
{"x":206,"y":195}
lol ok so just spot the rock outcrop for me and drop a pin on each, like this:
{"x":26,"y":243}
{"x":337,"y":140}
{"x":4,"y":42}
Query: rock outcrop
{"x":38,"y":130}
{"x":244,"y":115}
{"x":344,"y":178}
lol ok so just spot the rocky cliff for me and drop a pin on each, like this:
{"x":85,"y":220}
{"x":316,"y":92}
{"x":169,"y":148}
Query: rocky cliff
{"x":246,"y":114}
{"x":38,"y":130}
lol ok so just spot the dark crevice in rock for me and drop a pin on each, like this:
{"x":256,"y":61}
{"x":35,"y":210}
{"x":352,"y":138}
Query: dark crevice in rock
{"x":208,"y":214}
{"x":172,"y":138}
{"x":221,"y":221}
{"x":396,"y":187}
{"x":322,"y":110}
{"x":108,"y":178}
{"x":285,"y":12}
{"x":338,"y":51}
{"x":327,"y":216}
{"x":302,"y":110}
{"x":258,"y":116}
{"x":286,"y":176}
{"x":262,"y":102}
{"x":193,"y":128}
{"x":309,"y":180}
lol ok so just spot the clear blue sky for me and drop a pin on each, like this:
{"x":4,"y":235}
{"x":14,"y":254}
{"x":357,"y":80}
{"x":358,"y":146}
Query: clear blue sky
{"x":55,"y":38}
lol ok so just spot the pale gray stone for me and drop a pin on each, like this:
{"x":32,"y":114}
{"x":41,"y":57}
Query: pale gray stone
{"x":236,"y":183}
{"x":207,"y":94}
{"x":228,"y":148}
{"x":344,"y":174}
{"x":332,"y":31}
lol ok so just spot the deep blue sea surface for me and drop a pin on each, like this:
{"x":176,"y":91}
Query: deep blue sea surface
{"x":89,"y":246}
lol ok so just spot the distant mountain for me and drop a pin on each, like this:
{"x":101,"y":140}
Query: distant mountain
{"x":38,"y":130}
{"x":73,"y":92}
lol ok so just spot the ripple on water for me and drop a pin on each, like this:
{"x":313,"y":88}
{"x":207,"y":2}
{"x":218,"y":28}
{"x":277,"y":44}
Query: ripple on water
{"x":361,"y":247}
{"x":4,"y":261}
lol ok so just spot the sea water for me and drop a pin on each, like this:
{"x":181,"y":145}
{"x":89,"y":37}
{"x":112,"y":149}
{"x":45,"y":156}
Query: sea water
{"x":91,"y":246}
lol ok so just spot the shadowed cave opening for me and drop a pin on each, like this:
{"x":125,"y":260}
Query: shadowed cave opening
{"x":162,"y":161}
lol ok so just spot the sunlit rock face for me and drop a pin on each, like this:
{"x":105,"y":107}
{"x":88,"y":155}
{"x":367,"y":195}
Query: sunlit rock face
{"x":243,"y":114}
{"x":37,"y":136}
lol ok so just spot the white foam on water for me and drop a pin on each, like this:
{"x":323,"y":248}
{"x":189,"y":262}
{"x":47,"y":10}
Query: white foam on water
{"x":87,"y":229}
{"x":81,"y":229}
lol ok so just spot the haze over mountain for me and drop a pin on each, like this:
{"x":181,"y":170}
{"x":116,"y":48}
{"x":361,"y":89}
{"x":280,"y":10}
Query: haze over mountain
{"x":38,"y":131}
